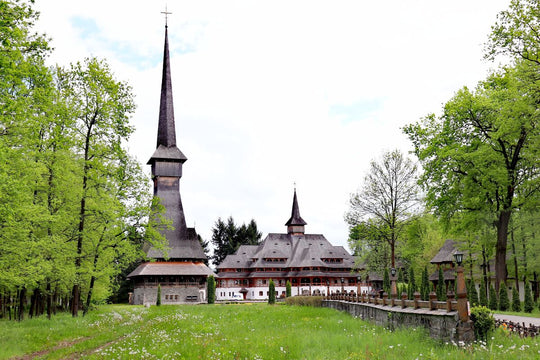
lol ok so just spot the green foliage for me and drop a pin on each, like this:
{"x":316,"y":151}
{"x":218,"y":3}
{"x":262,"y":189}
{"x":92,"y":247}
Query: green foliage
{"x":386,"y":281}
{"x":441,"y":288}
{"x":425,"y":287}
{"x":288,"y":289}
{"x":271,"y":292}
{"x":484,"y":322}
{"x":504,"y":301}
{"x":228,"y":237}
{"x":493,"y":301}
{"x":529,"y":303}
{"x":411,"y":288}
{"x":211,"y":289}
{"x":313,"y":301}
{"x":483,"y":294}
{"x":472,"y":294}
{"x":158,"y":298}
{"x":466,"y":152}
{"x":516,"y":304}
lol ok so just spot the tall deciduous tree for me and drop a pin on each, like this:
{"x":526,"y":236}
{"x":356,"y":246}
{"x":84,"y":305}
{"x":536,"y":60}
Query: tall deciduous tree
{"x":388,"y":196}
{"x":481,"y":155}
{"x":102,"y":107}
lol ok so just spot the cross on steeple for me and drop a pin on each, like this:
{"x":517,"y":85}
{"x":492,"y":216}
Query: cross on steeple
{"x":166,"y":13}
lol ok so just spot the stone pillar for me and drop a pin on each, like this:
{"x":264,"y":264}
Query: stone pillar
{"x":449,"y":300}
{"x":462,"y":306}
{"x":416,"y":300}
{"x":432,"y":299}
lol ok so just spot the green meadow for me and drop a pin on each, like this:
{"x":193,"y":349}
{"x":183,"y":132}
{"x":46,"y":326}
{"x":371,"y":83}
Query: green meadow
{"x":236,"y":331}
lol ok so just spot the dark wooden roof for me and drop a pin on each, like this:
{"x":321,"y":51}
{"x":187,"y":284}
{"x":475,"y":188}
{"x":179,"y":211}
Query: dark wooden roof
{"x":170,"y":269}
{"x":295,"y":219}
{"x":446,"y":253}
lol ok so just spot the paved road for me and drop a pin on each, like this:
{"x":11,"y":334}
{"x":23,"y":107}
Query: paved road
{"x":518,"y":319}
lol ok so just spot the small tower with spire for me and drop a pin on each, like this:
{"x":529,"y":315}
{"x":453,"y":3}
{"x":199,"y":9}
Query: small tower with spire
{"x":295,"y":225}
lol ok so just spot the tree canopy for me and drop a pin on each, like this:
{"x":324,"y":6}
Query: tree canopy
{"x":227,"y":237}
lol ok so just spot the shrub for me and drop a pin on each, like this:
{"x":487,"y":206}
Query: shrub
{"x":158,"y":300}
{"x":288,"y":289}
{"x":529,"y":303}
{"x":271,"y":292}
{"x":211,"y":289}
{"x":492,"y":298}
{"x":516,"y":304}
{"x":504,"y":302}
{"x":314,"y":301}
{"x":483,"y":320}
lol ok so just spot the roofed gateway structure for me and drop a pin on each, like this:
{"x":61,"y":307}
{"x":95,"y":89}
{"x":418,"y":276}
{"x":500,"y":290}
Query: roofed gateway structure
{"x":310,"y":262}
{"x":183,"y":274}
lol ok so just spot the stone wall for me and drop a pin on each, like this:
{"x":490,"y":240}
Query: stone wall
{"x":181,"y":294}
{"x":441,"y":324}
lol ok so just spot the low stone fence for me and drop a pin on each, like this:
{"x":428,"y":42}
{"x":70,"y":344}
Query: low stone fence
{"x":440,"y":318}
{"x":520,"y":329}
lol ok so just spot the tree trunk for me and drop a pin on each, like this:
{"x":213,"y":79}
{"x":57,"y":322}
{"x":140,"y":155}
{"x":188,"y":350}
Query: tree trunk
{"x":89,"y":297}
{"x":32,"y":304}
{"x":49,"y":300}
{"x":22,"y":301}
{"x":75,"y":293}
{"x":484,"y":269}
{"x":500,"y":249}
{"x":515,"y":259}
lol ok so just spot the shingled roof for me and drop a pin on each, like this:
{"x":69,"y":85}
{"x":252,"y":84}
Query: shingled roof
{"x":295,"y":219}
{"x":446,"y":253}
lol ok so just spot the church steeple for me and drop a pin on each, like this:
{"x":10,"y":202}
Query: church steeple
{"x":167,"y":162}
{"x":166,"y":139}
{"x":295,"y":225}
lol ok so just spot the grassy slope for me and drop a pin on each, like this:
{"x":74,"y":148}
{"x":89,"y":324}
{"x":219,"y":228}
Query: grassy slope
{"x":241,"y":331}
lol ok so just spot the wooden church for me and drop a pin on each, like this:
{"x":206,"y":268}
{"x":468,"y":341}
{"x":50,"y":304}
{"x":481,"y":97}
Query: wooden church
{"x":182,"y":275}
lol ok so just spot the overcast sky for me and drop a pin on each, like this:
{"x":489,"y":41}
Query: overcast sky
{"x":269,"y":93}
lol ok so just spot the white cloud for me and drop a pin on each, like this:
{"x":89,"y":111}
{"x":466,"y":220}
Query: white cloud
{"x":257,"y":86}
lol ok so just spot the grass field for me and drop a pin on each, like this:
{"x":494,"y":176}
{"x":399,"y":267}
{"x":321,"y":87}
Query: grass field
{"x":242,"y":331}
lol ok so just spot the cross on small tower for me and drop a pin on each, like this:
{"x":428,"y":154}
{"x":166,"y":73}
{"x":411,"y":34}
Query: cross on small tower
{"x":166,"y":13}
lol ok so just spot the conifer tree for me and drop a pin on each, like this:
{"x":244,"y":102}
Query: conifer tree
{"x":288,"y":289}
{"x":386,"y":281}
{"x":493,"y":302}
{"x":529,"y":303}
{"x":472,"y":293}
{"x":441,"y":295}
{"x":516,"y":304}
{"x":158,"y":300}
{"x":425,"y":287}
{"x":211,"y":289}
{"x":504,"y":301}
{"x":271,"y":292}
{"x":412,"y":284}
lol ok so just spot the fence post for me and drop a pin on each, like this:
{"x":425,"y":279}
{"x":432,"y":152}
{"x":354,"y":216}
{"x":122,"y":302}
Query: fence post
{"x":403,"y":298}
{"x":384,"y":297}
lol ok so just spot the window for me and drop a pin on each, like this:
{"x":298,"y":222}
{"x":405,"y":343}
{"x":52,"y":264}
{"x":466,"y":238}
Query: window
{"x":260,"y":293}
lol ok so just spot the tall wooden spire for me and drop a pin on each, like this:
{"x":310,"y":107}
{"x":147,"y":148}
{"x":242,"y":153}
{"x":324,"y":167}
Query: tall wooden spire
{"x":295,"y":225}
{"x":167,"y":162}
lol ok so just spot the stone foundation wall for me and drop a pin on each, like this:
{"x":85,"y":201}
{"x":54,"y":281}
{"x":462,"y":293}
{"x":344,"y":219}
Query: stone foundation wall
{"x":181,"y":294}
{"x":441,"y":325}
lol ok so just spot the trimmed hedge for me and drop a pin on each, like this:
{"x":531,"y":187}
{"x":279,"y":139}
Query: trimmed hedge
{"x":315,"y":301}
